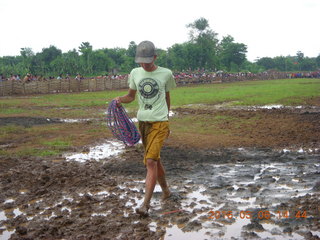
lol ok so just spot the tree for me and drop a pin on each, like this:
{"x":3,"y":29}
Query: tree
{"x":49,"y":54}
{"x":198,"y":28}
{"x":206,"y":40}
{"x":71,"y":62}
{"x":252,"y":67}
{"x":308,"y":64}
{"x":280,"y":63}
{"x":118,"y":57}
{"x":27,"y":55}
{"x":162,"y":57}
{"x":101,"y":62}
{"x":44,"y":59}
{"x":86,"y":50}
{"x":300,"y":56}
{"x":130,"y":56}
{"x":85,"y":47}
{"x":318,"y":61}
{"x":232,"y":53}
{"x":131,"y":51}
{"x":267,"y":63}
{"x":177,"y":56}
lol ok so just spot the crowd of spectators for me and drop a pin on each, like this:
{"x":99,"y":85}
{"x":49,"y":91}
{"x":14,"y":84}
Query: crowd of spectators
{"x":30,"y":77}
{"x":183,"y":77}
{"x":315,"y":74}
{"x":202,"y":76}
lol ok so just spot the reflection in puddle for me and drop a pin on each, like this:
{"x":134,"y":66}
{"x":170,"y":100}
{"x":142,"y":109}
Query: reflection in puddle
{"x":10,"y":200}
{"x":75,"y":120}
{"x":175,"y":233}
{"x":234,"y":105}
{"x":272,"y":232}
{"x":6,"y":235}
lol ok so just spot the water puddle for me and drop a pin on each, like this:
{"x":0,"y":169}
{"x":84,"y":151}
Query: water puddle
{"x":235,"y":106}
{"x":176,"y":233}
{"x":103,"y":151}
{"x":70,"y":120}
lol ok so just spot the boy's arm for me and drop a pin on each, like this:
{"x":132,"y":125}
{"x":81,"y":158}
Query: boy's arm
{"x":168,"y":100}
{"x":128,"y":98}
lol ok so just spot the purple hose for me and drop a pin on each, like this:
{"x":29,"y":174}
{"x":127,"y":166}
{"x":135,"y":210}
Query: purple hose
{"x":121,"y":126}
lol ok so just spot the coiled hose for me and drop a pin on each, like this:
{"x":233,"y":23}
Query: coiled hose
{"x":121,"y":126}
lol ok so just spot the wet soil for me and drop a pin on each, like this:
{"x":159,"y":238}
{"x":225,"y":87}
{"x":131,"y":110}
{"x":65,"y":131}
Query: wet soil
{"x":252,"y":189}
{"x":250,"y":127}
{"x":27,"y":121}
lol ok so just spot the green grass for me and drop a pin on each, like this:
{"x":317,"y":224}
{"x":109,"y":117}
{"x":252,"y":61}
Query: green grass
{"x":57,"y":144}
{"x":10,"y":111}
{"x":28,"y":151}
{"x":286,"y":92}
{"x":84,"y":99}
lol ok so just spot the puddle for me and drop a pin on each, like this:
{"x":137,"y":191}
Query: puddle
{"x":6,"y":235}
{"x":272,"y":107}
{"x":234,"y":105}
{"x":69,"y":120}
{"x":175,"y":233}
{"x":108,"y":149}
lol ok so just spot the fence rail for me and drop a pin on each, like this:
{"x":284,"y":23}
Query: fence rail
{"x":13,"y":87}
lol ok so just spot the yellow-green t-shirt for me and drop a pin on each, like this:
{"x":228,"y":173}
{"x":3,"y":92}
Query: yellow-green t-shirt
{"x":151,"y":90}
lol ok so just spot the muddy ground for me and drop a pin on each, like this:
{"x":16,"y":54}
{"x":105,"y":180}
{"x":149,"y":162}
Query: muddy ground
{"x":266,"y":187}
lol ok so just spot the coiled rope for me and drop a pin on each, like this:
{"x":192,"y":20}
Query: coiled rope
{"x":121,"y":126}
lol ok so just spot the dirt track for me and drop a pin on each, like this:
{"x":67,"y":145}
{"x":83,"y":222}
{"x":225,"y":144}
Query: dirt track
{"x":236,"y":189}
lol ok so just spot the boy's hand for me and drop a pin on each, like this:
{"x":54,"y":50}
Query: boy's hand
{"x":118,"y":100}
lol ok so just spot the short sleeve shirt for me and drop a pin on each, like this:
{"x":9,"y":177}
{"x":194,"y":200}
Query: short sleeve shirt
{"x":151,"y":90}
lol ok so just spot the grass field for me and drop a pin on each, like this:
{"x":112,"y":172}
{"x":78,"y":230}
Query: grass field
{"x":54,"y":139}
{"x":286,"y":92}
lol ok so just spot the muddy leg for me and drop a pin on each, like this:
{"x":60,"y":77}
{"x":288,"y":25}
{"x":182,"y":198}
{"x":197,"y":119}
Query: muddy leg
{"x":151,"y":180}
{"x":162,"y":181}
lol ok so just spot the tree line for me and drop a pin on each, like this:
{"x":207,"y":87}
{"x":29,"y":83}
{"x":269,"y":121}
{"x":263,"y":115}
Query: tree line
{"x":203,"y":50}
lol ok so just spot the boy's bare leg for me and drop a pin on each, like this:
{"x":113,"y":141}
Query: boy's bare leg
{"x":151,"y":180}
{"x":162,"y":181}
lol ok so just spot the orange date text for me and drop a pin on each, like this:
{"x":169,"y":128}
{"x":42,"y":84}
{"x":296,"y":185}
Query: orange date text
{"x":263,"y":214}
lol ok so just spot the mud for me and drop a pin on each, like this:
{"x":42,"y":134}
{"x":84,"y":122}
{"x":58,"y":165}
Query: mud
{"x":28,"y":121}
{"x":218,"y":192}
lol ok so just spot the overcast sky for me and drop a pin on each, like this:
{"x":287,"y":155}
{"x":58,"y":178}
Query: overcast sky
{"x":269,"y":28}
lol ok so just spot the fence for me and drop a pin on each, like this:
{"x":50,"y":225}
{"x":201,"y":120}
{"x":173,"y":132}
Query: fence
{"x":14,"y":87}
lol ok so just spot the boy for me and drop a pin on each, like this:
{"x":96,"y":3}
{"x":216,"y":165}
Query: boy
{"x":153,"y":84}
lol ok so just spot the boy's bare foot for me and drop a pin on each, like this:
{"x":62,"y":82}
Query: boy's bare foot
{"x":166,"y":195}
{"x":143,"y":210}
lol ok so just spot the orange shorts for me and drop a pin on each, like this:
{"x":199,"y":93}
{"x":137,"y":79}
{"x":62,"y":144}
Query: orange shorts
{"x":153,"y":135}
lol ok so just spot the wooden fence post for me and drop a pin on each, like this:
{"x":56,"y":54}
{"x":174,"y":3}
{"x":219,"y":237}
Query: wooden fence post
{"x":12,"y":87}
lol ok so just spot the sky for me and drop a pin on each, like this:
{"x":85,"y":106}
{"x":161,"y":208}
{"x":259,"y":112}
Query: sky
{"x":268,"y":28}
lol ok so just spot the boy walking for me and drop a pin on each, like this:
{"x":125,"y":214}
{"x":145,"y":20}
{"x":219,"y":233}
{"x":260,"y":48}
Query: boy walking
{"x":152,"y":85}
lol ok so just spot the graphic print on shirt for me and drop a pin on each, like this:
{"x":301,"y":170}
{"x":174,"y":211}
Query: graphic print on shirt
{"x":149,"y":92}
